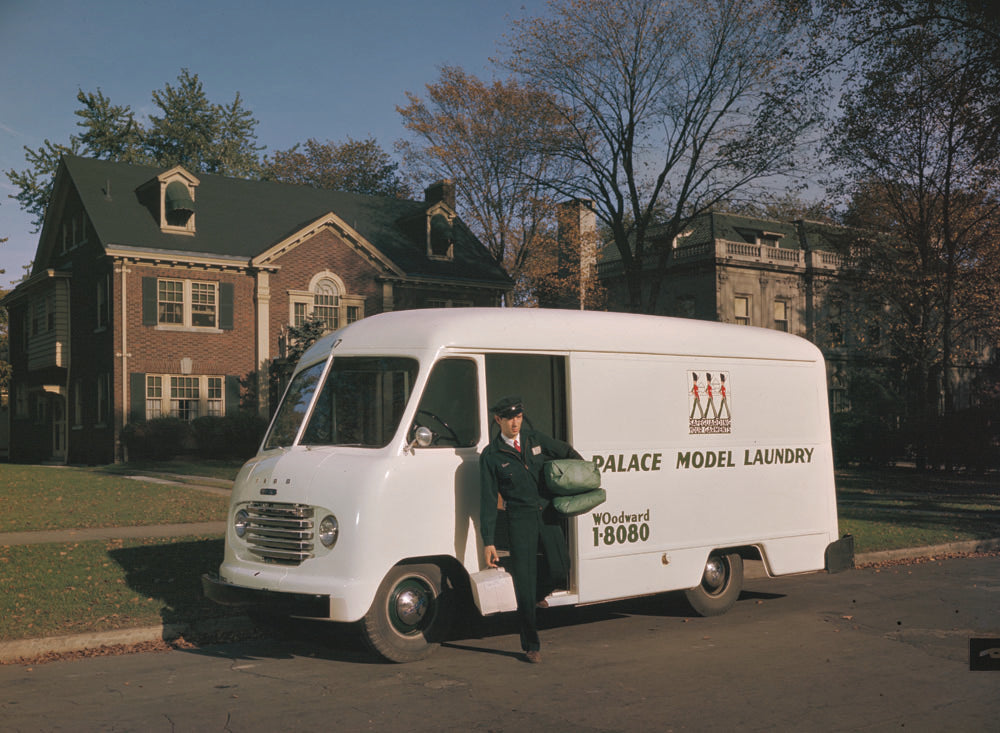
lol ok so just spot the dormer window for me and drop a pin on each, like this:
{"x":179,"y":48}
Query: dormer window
{"x":178,"y":206}
{"x":769,"y":239}
{"x":171,"y":197}
{"x":439,"y":201}
{"x":440,"y":238}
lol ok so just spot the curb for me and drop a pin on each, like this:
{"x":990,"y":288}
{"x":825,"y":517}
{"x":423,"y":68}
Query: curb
{"x":24,"y":649}
{"x":919,"y":553}
{"x":14,"y":651}
{"x":46,"y":536}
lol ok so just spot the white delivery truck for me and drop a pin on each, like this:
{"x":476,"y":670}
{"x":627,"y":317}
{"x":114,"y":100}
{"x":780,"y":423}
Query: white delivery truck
{"x":713,"y":443}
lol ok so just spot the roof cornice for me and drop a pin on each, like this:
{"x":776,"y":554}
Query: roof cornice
{"x":174,"y":257}
{"x":345,"y":231}
{"x":23,"y":288}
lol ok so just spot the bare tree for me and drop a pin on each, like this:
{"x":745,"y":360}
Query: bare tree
{"x":672,"y":106}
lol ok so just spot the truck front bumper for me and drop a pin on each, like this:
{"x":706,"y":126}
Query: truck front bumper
{"x":285,"y":604}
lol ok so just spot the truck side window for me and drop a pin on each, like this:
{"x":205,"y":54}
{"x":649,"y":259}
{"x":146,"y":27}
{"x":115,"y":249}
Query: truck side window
{"x":450,"y":404}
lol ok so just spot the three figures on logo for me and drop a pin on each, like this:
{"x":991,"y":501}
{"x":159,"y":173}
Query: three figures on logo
{"x":714,"y":386}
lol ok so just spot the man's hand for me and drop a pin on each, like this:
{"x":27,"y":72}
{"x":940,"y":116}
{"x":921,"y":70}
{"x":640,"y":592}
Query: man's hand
{"x":492,"y":558}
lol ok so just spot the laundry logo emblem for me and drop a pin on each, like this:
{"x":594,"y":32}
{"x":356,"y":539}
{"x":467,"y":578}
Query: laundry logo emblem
{"x":709,"y":398}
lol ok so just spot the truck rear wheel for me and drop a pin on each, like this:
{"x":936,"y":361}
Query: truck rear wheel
{"x":720,"y":586}
{"x":412,"y":613}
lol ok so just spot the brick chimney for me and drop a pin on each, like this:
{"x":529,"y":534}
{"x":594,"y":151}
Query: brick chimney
{"x":441,"y":191}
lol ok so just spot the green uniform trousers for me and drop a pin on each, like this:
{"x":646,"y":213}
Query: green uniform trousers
{"x":532,"y":529}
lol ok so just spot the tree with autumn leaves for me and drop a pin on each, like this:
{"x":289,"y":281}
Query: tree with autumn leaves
{"x":494,"y":140}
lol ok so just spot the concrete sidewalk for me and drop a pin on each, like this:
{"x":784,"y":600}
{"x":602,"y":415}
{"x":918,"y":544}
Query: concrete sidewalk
{"x":111,"y":533}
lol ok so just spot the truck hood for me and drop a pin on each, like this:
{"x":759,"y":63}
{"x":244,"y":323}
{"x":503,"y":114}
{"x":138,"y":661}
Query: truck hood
{"x":304,"y":475}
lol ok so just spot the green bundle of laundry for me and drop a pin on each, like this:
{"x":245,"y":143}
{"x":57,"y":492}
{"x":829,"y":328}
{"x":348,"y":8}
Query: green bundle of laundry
{"x":579,"y":503}
{"x":570,"y":476}
{"x":575,"y":484}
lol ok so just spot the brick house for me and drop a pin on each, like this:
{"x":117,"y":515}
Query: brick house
{"x":159,"y":292}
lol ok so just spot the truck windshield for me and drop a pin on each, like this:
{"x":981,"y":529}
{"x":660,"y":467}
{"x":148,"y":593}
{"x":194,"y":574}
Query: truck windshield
{"x":360,"y":403}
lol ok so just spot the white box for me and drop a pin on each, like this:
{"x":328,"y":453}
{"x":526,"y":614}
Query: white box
{"x":493,"y":591}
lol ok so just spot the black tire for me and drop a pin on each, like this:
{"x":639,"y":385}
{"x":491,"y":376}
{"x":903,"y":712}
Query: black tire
{"x":720,"y":586}
{"x":411,"y":614}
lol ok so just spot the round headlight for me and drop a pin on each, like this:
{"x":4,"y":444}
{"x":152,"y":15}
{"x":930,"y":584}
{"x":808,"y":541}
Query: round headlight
{"x":329,"y":529}
{"x":241,"y":522}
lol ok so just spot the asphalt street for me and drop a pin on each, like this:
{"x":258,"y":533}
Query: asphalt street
{"x":874,"y":649}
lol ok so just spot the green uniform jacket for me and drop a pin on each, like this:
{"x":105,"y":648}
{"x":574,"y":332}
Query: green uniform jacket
{"x":517,"y":478}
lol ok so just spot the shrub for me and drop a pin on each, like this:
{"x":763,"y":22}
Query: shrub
{"x":233,"y":436}
{"x":158,"y":439}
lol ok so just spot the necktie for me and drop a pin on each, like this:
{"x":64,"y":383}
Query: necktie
{"x":517,"y":445}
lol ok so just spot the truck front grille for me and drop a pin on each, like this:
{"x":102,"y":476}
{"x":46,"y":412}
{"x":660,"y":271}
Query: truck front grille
{"x":280,"y":533}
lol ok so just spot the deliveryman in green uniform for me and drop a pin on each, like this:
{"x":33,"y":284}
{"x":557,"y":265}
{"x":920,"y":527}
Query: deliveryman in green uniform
{"x":511,"y":466}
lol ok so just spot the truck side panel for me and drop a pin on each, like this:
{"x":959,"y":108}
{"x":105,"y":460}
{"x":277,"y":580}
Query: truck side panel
{"x":744,"y":459}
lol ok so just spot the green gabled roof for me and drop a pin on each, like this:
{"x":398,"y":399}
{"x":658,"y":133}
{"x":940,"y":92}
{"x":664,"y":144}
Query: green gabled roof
{"x":242,"y":219}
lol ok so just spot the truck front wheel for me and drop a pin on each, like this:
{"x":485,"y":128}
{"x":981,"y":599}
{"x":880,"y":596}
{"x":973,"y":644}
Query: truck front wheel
{"x":720,"y":585}
{"x":411,"y":613}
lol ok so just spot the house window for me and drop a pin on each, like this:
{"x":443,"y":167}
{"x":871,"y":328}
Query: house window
{"x":187,"y":303}
{"x":39,"y":316}
{"x":834,"y":326}
{"x":154,"y":396}
{"x":215,"y":402}
{"x":440,"y":238}
{"x":326,"y":304}
{"x":203,"y":304}
{"x":103,"y":302}
{"x":178,"y":207}
{"x":78,"y":404}
{"x":741,"y":309}
{"x":103,"y":398}
{"x":839,"y":401}
{"x":184,"y":397}
{"x":74,"y":232}
{"x":20,"y":402}
{"x":781,"y":315}
{"x":325,"y":300}
{"x":170,"y":301}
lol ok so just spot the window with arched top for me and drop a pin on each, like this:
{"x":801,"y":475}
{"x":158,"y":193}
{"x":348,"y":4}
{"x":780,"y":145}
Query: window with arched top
{"x":326,"y":303}
{"x":326,"y":300}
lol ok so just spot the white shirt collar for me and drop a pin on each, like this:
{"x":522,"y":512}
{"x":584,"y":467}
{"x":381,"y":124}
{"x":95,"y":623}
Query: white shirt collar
{"x":510,"y":441}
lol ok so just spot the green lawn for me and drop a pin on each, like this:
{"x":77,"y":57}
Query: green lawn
{"x":43,"y":497}
{"x":69,"y":588}
{"x":891,"y":510}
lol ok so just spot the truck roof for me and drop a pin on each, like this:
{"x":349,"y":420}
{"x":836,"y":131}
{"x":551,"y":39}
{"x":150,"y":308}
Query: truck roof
{"x":552,"y":330}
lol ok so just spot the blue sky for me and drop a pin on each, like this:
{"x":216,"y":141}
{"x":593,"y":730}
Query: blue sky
{"x":305,"y":68}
